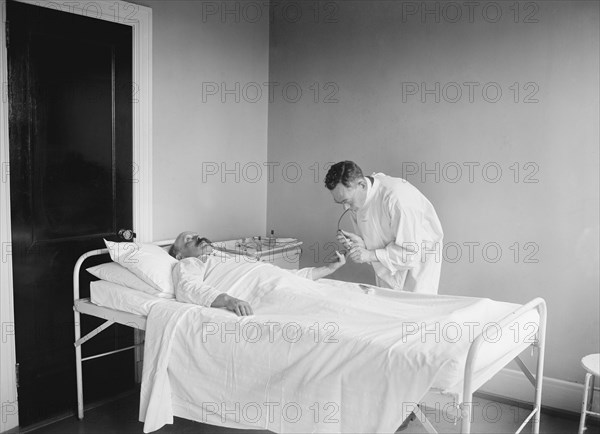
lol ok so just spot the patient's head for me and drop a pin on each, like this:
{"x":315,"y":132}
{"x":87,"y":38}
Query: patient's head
{"x":189,"y":244}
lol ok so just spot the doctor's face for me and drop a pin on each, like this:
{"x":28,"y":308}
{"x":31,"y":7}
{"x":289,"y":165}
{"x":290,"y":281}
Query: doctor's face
{"x":190,"y":244}
{"x":352,"y":197}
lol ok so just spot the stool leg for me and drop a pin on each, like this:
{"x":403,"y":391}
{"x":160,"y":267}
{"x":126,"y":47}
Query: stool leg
{"x":592,"y":392}
{"x":584,"y":403}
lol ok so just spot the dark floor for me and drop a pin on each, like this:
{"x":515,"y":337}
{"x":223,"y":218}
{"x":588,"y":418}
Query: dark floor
{"x":121,"y":416}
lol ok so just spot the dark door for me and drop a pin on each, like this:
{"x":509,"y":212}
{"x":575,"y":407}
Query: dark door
{"x":70,"y":130}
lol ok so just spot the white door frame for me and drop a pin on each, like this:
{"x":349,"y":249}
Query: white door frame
{"x":140,"y":19}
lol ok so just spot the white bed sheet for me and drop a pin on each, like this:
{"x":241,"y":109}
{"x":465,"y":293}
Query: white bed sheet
{"x":447,"y":380}
{"x":367,"y":381}
{"x":118,"y":297}
{"x":494,"y":353}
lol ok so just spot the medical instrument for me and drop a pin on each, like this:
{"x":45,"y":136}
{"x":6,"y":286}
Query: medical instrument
{"x":259,"y":243}
{"x":339,"y":231}
{"x":270,"y":240}
{"x":332,"y":258}
{"x":340,"y":221}
{"x":257,"y":246}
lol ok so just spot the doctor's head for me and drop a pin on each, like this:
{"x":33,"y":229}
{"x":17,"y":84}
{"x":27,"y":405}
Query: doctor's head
{"x":347,"y":184}
{"x":189,"y":244}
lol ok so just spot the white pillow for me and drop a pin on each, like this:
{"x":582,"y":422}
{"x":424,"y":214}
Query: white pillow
{"x":115,"y":273}
{"x":149,"y":262}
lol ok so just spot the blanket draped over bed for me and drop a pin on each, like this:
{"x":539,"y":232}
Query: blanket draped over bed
{"x":315,"y":357}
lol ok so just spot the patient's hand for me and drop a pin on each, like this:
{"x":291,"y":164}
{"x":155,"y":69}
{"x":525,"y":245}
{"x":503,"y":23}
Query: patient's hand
{"x":326,"y":270}
{"x":341,"y":260}
{"x":237,"y":306}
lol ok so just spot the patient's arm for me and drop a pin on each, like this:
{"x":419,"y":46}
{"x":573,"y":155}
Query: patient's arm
{"x":188,"y":276}
{"x":239,"y":307}
{"x":315,"y":273}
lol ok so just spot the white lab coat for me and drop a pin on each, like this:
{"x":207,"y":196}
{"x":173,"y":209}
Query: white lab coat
{"x":401,"y":225}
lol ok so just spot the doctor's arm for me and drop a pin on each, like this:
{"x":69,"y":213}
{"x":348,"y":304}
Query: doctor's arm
{"x":402,"y":253}
{"x":405,"y":251}
{"x":188,"y":276}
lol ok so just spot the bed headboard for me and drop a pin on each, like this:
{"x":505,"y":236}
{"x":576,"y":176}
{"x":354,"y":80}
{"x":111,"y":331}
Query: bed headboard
{"x":101,"y":256}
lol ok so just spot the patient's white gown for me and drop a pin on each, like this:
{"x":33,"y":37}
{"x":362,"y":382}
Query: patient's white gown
{"x":200,"y":281}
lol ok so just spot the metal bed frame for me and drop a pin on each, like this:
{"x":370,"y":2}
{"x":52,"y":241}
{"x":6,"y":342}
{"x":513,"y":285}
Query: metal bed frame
{"x":470,"y":383}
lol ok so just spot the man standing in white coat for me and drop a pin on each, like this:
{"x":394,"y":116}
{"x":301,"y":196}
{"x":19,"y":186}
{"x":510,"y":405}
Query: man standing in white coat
{"x":398,"y":230}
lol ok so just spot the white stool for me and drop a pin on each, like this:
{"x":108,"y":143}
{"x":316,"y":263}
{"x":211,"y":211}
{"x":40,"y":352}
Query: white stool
{"x":591,"y":364}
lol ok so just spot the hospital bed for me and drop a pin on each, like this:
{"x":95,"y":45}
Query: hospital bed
{"x":130,"y":308}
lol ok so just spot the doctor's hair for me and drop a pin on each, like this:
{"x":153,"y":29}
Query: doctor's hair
{"x":345,"y":172}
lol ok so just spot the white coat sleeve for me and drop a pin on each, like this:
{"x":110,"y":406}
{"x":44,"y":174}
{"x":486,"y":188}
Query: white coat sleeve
{"x":188,"y":278}
{"x":404,"y":252}
{"x":304,"y":272}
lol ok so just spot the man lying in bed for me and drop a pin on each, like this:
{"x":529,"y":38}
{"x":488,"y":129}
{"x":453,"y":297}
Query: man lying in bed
{"x":201,"y":269}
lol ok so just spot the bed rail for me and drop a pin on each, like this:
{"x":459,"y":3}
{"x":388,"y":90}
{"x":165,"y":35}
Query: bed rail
{"x":538,"y":304}
{"x":82,"y":258}
{"x":77,"y":317}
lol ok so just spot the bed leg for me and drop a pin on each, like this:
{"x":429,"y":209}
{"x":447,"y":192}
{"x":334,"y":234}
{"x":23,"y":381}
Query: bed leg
{"x":78,"y":367}
{"x":539,"y":375}
{"x":138,"y":354}
{"x":466,"y":414}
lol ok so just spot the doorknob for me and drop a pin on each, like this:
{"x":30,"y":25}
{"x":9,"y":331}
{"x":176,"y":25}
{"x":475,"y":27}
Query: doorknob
{"x":126,"y":234}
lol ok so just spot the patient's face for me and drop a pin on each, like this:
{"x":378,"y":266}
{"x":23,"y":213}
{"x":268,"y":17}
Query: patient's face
{"x":191,"y":244}
{"x":352,"y":197}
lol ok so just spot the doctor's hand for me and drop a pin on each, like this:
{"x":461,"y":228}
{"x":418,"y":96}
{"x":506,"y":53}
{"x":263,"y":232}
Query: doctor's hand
{"x":361,"y":255}
{"x":235,"y":305}
{"x":348,"y":239}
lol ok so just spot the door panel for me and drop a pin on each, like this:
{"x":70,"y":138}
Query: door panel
{"x":74,"y":90}
{"x":70,"y":131}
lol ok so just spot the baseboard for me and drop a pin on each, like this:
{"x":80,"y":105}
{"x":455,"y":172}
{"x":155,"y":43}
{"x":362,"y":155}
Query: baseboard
{"x":556,"y":394}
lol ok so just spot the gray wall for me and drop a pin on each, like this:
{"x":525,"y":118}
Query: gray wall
{"x":366,"y":54}
{"x":195,"y":133}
